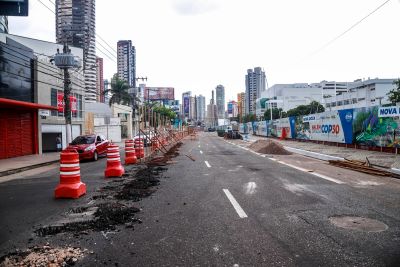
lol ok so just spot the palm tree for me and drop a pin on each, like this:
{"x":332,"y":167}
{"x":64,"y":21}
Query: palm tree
{"x":119,"y":92}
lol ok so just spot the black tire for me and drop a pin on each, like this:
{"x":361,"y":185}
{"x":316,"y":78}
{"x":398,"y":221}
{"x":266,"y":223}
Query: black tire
{"x":95,"y":156}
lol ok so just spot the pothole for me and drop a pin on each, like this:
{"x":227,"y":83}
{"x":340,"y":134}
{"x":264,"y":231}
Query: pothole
{"x":358,"y":223}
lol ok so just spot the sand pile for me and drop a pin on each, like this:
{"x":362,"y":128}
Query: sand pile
{"x":269,"y":147}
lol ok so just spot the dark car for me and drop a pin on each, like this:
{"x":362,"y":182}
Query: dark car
{"x":211,"y":129}
{"x":90,"y":146}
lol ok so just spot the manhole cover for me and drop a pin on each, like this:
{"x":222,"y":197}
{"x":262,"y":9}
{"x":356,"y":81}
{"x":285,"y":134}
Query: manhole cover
{"x":358,"y":223}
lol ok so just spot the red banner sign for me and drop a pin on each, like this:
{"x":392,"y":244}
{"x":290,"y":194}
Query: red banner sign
{"x":60,"y":102}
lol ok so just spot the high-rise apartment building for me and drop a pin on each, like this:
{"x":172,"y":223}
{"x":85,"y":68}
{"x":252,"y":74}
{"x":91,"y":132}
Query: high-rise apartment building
{"x":201,"y":107}
{"x":220,"y":101}
{"x":241,"y":102}
{"x":126,"y":60}
{"x":75,"y":26}
{"x":193,"y":108}
{"x":212,"y":119}
{"x":255,"y":84}
{"x":99,"y":80}
{"x":3,"y":24}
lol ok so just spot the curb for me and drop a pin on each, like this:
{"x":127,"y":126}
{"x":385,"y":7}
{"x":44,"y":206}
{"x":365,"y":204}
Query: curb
{"x":22,"y":169}
{"x":313,"y":154}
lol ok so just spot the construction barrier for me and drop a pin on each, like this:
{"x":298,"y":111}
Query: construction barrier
{"x":114,"y":167}
{"x":139,"y":148}
{"x":70,"y":176}
{"x":130,"y":154}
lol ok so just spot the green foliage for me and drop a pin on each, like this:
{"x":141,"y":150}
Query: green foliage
{"x":249,"y":117}
{"x":277,"y":113}
{"x":313,"y":107}
{"x":394,"y":94}
{"x":164,"y":111}
{"x":119,"y":92}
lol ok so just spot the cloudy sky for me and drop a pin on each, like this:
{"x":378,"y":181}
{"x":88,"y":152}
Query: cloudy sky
{"x":197,"y":44}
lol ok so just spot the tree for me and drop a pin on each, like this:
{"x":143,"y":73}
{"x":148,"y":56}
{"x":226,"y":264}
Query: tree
{"x":277,"y":113}
{"x":119,"y":92}
{"x":394,"y":94}
{"x":249,"y":117}
{"x":313,"y":107}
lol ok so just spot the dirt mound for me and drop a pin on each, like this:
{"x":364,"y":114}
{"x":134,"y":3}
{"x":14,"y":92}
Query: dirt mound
{"x":269,"y":147}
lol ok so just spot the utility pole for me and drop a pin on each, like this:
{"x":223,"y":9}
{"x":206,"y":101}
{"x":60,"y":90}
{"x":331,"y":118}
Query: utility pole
{"x":65,"y":61}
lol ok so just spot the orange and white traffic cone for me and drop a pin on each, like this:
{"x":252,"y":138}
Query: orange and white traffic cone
{"x":114,"y":167}
{"x":70,"y":176}
{"x":130,"y":155}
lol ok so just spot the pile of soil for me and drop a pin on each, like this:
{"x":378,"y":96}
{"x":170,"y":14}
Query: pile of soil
{"x":269,"y":147}
{"x":43,"y":256}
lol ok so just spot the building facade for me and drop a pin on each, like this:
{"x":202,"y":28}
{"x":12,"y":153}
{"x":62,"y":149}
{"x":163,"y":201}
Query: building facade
{"x":201,"y":108}
{"x":99,"y":80}
{"x":31,"y":97}
{"x":75,"y":26}
{"x":255,"y":82}
{"x":220,"y":101}
{"x":367,"y":93}
{"x":126,"y":61}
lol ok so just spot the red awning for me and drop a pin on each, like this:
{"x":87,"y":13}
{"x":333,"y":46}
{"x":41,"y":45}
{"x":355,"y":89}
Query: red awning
{"x":9,"y":103}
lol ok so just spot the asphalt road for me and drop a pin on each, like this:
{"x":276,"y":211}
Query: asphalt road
{"x":229,"y":207}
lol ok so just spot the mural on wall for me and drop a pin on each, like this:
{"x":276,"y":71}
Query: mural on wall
{"x":376,"y":126}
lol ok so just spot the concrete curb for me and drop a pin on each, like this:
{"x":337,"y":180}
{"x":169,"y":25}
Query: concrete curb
{"x":312,"y":154}
{"x":26,"y":168}
{"x":395,"y":170}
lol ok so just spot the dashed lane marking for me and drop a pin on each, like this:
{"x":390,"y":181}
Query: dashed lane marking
{"x":201,"y":152}
{"x":235,"y":204}
{"x":208,"y":164}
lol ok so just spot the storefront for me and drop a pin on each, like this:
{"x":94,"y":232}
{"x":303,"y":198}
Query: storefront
{"x":19,"y":128}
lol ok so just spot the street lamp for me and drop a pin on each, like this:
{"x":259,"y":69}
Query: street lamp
{"x":65,"y":61}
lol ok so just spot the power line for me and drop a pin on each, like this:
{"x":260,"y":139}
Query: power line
{"x":111,"y":53}
{"x":349,"y":29}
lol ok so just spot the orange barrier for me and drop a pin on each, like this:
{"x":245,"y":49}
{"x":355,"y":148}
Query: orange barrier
{"x":114,"y":167}
{"x":130,"y":155}
{"x":70,"y":176}
{"x":139,"y":148}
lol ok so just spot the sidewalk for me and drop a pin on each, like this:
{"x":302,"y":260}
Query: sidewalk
{"x":19,"y":164}
{"x":379,"y":158}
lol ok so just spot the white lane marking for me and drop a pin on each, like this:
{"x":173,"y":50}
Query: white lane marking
{"x":327,"y":178}
{"x":273,"y":159}
{"x":250,"y":188}
{"x":216,"y":248}
{"x":208,"y":164}
{"x":294,"y":167}
{"x":199,"y":145}
{"x":308,"y":171}
{"x":235,"y":204}
{"x":201,"y":152}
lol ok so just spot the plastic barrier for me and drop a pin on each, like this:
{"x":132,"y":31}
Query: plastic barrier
{"x":130,"y":154}
{"x":70,"y":176}
{"x":114,"y":167}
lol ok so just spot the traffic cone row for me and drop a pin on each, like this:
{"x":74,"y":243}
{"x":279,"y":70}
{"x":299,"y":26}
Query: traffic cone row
{"x":70,"y":185}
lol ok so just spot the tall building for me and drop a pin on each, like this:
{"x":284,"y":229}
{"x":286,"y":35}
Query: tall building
{"x":255,"y":85}
{"x":193,"y":108}
{"x":241,"y":102}
{"x":3,"y":24}
{"x":75,"y":25}
{"x":201,"y":107}
{"x":126,"y":60}
{"x":212,"y":119}
{"x":220,"y":101}
{"x":99,"y":80}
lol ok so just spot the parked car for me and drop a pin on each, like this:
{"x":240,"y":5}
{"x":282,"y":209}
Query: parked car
{"x":90,"y":146}
{"x":211,"y":129}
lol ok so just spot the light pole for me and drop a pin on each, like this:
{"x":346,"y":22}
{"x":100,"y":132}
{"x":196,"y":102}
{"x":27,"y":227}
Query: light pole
{"x":66,"y":61}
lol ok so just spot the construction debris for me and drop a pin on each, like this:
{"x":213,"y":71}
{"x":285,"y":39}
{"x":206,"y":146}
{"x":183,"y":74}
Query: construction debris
{"x":362,"y":166}
{"x":269,"y":147}
{"x":44,"y":256}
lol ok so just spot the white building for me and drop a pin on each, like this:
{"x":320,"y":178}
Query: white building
{"x":371,"y":92}
{"x":201,"y":107}
{"x":289,"y":96}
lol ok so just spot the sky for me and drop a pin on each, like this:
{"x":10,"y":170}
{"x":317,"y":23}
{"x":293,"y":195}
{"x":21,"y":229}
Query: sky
{"x":195,"y":45}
